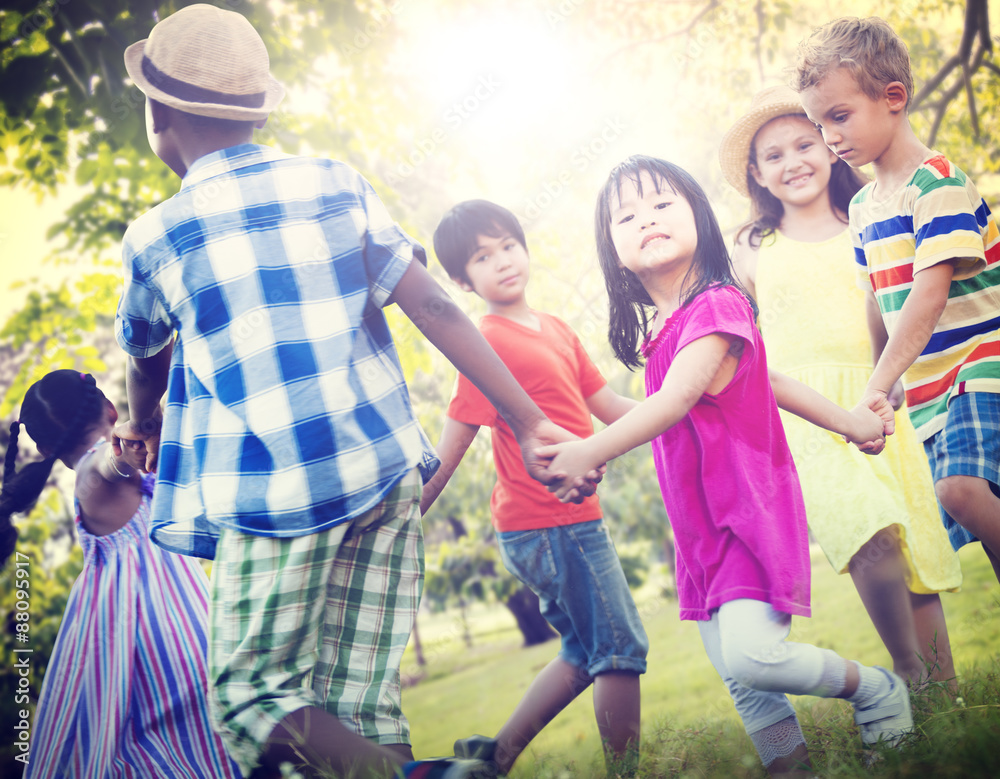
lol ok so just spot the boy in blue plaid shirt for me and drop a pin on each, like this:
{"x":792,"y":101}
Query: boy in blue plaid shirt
{"x":288,"y":449}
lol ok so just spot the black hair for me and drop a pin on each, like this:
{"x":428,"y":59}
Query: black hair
{"x":455,"y":239}
{"x":58,"y":411}
{"x":628,"y":300}
{"x":766,"y":211}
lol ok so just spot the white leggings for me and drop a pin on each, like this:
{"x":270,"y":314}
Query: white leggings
{"x":746,"y":642}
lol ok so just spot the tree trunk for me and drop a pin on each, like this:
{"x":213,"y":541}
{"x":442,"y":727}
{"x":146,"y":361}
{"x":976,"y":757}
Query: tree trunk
{"x":523,"y":604}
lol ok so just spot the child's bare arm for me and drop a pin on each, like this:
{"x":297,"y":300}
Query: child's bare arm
{"x":145,"y":382}
{"x":445,"y":325}
{"x":913,"y":329}
{"x":608,"y":406}
{"x":456,"y":438}
{"x":879,"y":337}
{"x":690,"y":375}
{"x":863,"y":426}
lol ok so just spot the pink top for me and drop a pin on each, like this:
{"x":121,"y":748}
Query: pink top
{"x":728,"y":481}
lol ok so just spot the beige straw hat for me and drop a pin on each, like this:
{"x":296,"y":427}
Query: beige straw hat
{"x":734,"y":152}
{"x":207,"y":61}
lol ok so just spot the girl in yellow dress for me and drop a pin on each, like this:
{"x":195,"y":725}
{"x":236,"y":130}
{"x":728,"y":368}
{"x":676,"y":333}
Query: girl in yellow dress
{"x":874,"y":517}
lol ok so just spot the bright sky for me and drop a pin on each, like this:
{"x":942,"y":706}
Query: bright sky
{"x":502,"y":87}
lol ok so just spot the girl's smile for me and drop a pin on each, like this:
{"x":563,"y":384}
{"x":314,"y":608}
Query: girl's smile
{"x":791,"y":161}
{"x":652,"y":228}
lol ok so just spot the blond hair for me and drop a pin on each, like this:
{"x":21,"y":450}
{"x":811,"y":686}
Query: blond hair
{"x":869,"y":48}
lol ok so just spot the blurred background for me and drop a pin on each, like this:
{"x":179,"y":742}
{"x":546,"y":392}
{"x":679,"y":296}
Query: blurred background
{"x":529,"y":104}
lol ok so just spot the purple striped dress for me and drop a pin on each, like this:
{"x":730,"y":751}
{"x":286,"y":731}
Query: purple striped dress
{"x":124,"y":694}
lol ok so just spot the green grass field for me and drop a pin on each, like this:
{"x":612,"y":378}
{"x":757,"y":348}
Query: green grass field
{"x":690,"y":728}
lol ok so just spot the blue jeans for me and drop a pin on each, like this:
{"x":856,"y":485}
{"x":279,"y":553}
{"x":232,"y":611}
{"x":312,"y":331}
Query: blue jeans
{"x":575,"y":572}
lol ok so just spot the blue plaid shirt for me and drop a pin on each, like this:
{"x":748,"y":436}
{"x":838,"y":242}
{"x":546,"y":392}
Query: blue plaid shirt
{"x":286,"y":408}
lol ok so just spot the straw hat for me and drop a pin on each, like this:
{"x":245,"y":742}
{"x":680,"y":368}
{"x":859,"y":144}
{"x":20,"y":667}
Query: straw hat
{"x":207,"y":61}
{"x":734,"y":153}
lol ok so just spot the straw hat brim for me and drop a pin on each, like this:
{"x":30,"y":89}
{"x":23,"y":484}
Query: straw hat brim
{"x":734,"y":151}
{"x":272,"y":97}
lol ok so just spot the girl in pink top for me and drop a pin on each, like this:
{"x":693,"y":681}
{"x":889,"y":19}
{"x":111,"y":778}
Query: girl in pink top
{"x":725,"y":471}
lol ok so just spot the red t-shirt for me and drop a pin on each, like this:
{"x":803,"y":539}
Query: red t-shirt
{"x":553,"y":368}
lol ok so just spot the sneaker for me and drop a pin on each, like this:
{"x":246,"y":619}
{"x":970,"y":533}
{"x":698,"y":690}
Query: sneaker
{"x":476,"y":747}
{"x":888,"y":718}
{"x":446,"y":768}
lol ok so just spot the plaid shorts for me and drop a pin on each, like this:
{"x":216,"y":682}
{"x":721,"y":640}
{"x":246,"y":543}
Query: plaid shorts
{"x":316,"y":620}
{"x":969,"y":445}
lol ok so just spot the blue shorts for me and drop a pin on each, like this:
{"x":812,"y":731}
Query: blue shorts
{"x":969,"y":445}
{"x":576,"y":574}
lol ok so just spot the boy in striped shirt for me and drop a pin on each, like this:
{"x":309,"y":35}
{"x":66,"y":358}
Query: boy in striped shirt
{"x":929,"y":255}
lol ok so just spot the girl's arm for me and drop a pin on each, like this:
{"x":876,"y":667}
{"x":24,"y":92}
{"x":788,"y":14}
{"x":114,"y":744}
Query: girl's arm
{"x":862,"y":426}
{"x":694,"y":371}
{"x":608,"y":406}
{"x":456,"y":438}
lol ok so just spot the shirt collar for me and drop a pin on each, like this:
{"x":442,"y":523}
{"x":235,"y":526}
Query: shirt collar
{"x":224,"y":161}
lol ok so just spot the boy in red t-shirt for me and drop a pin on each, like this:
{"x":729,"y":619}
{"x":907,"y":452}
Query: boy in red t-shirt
{"x":564,"y":553}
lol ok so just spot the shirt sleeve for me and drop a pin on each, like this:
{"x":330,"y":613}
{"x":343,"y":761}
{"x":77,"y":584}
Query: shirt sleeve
{"x":142,"y":323}
{"x":945,"y":228}
{"x":388,"y":250}
{"x":470,"y":406}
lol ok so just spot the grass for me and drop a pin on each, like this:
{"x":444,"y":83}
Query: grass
{"x":690,"y":728}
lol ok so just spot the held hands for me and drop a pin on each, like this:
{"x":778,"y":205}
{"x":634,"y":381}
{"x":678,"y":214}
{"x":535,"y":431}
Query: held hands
{"x":539,"y":446}
{"x":138,"y":442}
{"x":875,"y":419}
{"x":572,"y":468}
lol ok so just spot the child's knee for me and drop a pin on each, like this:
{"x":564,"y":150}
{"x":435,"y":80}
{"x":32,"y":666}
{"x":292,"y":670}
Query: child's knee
{"x":958,"y":494}
{"x":756,"y":667}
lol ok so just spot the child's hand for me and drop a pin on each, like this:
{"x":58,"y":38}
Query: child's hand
{"x":572,"y":468}
{"x":541,"y":438}
{"x":139,"y":444}
{"x":870,"y":426}
{"x":880,"y":404}
{"x":896,"y":395}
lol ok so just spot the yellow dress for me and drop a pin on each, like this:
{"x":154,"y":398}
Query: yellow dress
{"x":812,"y":317}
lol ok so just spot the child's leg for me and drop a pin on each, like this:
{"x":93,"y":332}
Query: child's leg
{"x":932,"y":637}
{"x":768,"y":717}
{"x":307,"y":636}
{"x":584,"y":595}
{"x":879,"y":573}
{"x":555,"y":687}
{"x":965,"y":463}
{"x":975,"y":506}
{"x":755,"y":650}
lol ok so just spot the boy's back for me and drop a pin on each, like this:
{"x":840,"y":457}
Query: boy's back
{"x":274,"y":270}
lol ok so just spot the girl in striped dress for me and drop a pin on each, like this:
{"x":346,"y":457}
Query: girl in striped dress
{"x":124,"y":692}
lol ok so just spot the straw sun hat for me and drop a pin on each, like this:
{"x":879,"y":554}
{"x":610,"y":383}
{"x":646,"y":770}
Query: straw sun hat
{"x":207,"y":61}
{"x":734,"y":153}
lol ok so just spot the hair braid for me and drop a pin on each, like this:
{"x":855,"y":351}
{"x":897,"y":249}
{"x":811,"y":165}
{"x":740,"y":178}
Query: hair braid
{"x":44,"y":411}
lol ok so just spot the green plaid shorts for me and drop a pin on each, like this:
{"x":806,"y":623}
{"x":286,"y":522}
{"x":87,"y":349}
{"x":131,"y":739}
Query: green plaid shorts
{"x":317,"y":620}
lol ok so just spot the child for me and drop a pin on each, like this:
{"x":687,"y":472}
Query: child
{"x":874,"y":516}
{"x":563,"y":553}
{"x":288,"y":447}
{"x":929,"y":254}
{"x":726,"y":475}
{"x":124,"y":692}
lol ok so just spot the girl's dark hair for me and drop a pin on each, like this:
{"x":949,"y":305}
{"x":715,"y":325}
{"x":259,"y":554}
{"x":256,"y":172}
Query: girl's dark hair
{"x":628,"y":301}
{"x":456,"y":236}
{"x":57,"y":411}
{"x":766,"y":211}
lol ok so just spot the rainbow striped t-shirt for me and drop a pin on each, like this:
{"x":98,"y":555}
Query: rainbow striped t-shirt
{"x":938,"y":215}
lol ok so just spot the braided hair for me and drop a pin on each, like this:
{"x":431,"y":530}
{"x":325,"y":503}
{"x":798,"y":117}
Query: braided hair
{"x":58,"y":410}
